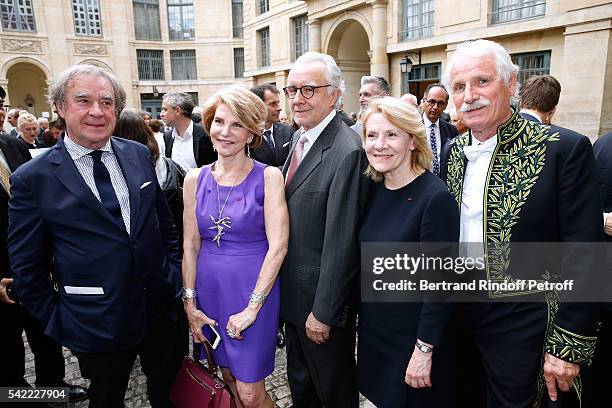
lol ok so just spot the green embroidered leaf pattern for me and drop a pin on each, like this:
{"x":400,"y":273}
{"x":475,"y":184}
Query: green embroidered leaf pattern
{"x":517,"y":164}
{"x":570,"y":346}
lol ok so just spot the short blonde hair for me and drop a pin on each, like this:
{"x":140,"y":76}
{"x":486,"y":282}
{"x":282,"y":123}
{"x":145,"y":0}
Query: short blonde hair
{"x":250,"y":111}
{"x":407,"y":118}
{"x":24,"y":118}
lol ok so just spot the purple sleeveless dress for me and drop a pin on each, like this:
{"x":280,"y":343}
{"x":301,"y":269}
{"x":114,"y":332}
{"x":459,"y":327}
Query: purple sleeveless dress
{"x":226,"y":275}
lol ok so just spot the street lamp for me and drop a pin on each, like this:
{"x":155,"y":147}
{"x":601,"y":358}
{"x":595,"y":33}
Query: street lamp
{"x":406,"y":62}
{"x":155,"y":92}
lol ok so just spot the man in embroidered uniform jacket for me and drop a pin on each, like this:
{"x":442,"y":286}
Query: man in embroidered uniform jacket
{"x":519,"y":181}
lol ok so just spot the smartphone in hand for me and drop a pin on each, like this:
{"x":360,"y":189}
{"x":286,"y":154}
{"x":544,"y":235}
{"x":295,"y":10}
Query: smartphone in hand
{"x":214,"y":342}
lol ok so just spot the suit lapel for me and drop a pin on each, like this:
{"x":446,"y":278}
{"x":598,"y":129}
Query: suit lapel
{"x":69,"y":176}
{"x":168,"y":141}
{"x":196,"y":136}
{"x":314,"y":156}
{"x":131,"y":174}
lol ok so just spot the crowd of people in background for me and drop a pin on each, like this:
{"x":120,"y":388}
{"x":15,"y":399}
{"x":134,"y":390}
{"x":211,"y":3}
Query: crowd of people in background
{"x":130,"y":235}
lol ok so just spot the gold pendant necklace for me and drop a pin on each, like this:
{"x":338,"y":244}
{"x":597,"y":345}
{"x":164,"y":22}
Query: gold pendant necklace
{"x":221,"y":222}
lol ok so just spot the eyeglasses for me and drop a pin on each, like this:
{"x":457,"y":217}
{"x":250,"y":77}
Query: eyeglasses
{"x":307,"y":91}
{"x":432,"y":102}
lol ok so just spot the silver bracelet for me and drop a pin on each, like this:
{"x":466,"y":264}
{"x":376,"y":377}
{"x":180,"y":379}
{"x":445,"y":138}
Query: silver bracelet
{"x":189,"y":293}
{"x":257,"y":298}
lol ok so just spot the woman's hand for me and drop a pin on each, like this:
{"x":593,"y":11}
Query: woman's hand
{"x":197,"y":320}
{"x":240,"y":322}
{"x":419,"y":369}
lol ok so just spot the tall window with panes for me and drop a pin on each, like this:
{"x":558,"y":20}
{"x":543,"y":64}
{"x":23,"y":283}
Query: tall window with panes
{"x":263,"y":40}
{"x":237,"y":18}
{"x":86,"y":16}
{"x":17,"y":15}
{"x":180,"y":19}
{"x":510,"y":10}
{"x":146,"y":19}
{"x":263,"y":6}
{"x":150,"y":65}
{"x":238,"y":62}
{"x":183,"y":64}
{"x":300,"y":36}
{"x":531,"y":63}
{"x":418,"y":19}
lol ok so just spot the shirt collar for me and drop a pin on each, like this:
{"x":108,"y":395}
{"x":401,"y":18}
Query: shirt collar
{"x":428,"y":123}
{"x":271,"y":130}
{"x":188,"y":132}
{"x":76,"y":151}
{"x":316,"y":131}
{"x":532,"y":113}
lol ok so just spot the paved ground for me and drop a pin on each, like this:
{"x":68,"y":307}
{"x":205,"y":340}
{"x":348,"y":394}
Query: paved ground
{"x":136,"y":396}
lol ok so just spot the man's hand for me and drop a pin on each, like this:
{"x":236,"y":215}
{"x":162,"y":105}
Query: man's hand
{"x":315,"y":330}
{"x":560,"y":373}
{"x":608,"y":225}
{"x":418,"y":372}
{"x":3,"y":295}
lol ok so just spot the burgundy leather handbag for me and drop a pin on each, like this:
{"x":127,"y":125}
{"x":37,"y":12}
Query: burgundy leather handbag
{"x":198,"y":386}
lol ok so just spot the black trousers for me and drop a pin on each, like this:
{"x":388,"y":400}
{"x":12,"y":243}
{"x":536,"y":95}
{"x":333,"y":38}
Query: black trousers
{"x":161,"y":354}
{"x":502,"y":359}
{"x":321,"y":375}
{"x":48,"y":357}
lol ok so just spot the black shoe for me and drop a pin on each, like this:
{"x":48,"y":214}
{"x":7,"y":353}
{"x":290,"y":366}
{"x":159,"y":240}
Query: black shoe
{"x":280,"y":339}
{"x":76,"y":393}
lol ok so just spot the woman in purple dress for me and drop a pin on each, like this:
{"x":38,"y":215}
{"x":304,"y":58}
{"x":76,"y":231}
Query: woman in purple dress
{"x":236,"y":233}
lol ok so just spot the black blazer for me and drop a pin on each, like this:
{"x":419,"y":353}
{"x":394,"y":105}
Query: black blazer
{"x":282,"y":142}
{"x":603,"y":160}
{"x":16,"y":153}
{"x":447,"y":132}
{"x":202,"y":146}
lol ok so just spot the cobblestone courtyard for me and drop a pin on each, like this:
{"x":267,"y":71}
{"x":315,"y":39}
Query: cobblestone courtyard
{"x":136,"y":395}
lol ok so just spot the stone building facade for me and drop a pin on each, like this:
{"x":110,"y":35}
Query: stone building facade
{"x":155,"y":46}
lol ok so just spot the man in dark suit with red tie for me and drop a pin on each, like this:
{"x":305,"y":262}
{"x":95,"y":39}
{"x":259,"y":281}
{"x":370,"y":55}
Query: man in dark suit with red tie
{"x":92,"y":207}
{"x":276,"y":136}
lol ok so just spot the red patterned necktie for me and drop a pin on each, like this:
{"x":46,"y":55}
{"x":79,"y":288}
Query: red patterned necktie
{"x":296,"y":157}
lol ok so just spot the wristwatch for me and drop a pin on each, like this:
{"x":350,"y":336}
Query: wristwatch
{"x":423,"y":347}
{"x":188,"y":293}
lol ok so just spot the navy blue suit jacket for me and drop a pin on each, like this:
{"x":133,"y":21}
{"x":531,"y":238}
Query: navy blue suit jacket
{"x":447,"y":132}
{"x":55,"y":219}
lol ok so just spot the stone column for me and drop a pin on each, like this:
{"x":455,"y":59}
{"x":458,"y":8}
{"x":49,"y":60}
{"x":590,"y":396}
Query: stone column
{"x":585,"y":105}
{"x":314,"y":35}
{"x":379,"y":62}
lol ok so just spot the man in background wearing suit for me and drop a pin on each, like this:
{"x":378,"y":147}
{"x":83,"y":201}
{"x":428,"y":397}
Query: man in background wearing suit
{"x":92,"y":207}
{"x":371,"y":87}
{"x":48,"y":357}
{"x":539,"y":98}
{"x":276,"y":136}
{"x":318,"y":278}
{"x":439,"y":132}
{"x":186,"y":143}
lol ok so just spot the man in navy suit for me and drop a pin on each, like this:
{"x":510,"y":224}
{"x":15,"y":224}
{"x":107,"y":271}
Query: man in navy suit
{"x":274,"y":148}
{"x":539,"y":97}
{"x":439,"y":132}
{"x":91,"y":208}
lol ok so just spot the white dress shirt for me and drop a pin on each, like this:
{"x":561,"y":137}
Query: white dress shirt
{"x":427,"y":124}
{"x":84,"y":164}
{"x":182,"y":148}
{"x":479,"y":156}
{"x":313,"y":134}
{"x":161,"y":143}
